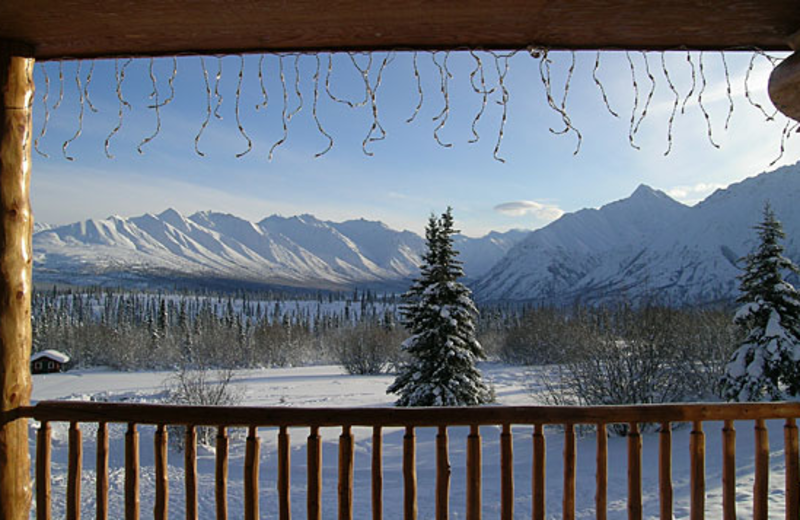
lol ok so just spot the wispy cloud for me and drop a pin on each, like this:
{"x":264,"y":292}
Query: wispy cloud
{"x":692,"y":194}
{"x":521,"y":208}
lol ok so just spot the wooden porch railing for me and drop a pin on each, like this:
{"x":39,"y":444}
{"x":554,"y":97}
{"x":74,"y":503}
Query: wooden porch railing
{"x":378,"y":418}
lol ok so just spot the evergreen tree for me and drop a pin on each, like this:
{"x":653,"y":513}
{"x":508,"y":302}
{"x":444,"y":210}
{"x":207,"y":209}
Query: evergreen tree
{"x":767,"y":362}
{"x":440,"y":314}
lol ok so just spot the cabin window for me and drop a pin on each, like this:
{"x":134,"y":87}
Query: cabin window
{"x":37,"y":365}
{"x":50,"y":365}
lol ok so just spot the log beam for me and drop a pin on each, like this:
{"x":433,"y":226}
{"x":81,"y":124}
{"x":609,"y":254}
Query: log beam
{"x":16,"y":226}
{"x":784,"y":82}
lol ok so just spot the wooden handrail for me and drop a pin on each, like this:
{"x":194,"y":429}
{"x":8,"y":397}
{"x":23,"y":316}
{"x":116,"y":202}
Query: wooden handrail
{"x":79,"y":411}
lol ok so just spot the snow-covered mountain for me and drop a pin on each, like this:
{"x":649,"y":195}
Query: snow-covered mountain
{"x":647,"y":246}
{"x":214,"y":248}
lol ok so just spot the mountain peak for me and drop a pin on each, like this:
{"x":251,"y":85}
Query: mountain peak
{"x":645,"y":191}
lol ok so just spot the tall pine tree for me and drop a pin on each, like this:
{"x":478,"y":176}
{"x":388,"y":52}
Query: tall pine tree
{"x":767,"y":362}
{"x":439,"y":312}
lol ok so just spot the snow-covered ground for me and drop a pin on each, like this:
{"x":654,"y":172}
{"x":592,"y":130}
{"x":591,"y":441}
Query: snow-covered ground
{"x":329,"y":386}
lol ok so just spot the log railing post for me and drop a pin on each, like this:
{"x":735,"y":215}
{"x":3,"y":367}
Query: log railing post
{"x":761,"y":482}
{"x":442,"y":475}
{"x":568,"y":508}
{"x":101,"y":472}
{"x":507,"y":473}
{"x":314,"y":493}
{"x":792,"y":471}
{"x":538,"y":479}
{"x":346,"y":473}
{"x":729,"y":471}
{"x":190,"y":471}
{"x":43,"y":472}
{"x":377,"y":473}
{"x":16,"y":228}
{"x":665,"y":471}
{"x":284,"y":475}
{"x":251,"y":460}
{"x":601,"y":491}
{"x":409,"y":475}
{"x":634,"y":472}
{"x":221,"y":474}
{"x":74,"y":471}
{"x":474,"y":473}
{"x":697,"y":447}
{"x":161,"y":507}
{"x":131,"y":473}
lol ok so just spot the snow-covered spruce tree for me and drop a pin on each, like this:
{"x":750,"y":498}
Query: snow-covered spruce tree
{"x":767,"y":362}
{"x":439,"y":312}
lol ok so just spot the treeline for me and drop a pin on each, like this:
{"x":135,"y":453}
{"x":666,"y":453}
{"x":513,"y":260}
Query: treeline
{"x":130,"y":330}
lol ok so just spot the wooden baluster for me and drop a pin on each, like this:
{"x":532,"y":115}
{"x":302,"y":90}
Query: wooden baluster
{"x":377,"y":473}
{"x":131,"y":473}
{"x":634,"y":472}
{"x":442,"y":475}
{"x":665,"y":470}
{"x":539,"y":464}
{"x":190,"y":471}
{"x":697,"y":449}
{"x":346,"y":473}
{"x":284,"y":475}
{"x":601,"y":491}
{"x":761,"y":484}
{"x":728,"y":471}
{"x":251,"y":459}
{"x":43,"y":472}
{"x":161,"y":507}
{"x":101,"y":465}
{"x":409,"y":475}
{"x":74,"y":470}
{"x":474,"y":473}
{"x":314,"y":496}
{"x":569,"y":472}
{"x":507,"y":473}
{"x":792,"y":474}
{"x":221,"y":480}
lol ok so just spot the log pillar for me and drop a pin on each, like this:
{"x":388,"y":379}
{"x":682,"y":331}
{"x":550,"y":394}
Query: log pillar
{"x":16,"y":225}
{"x":784,"y":82}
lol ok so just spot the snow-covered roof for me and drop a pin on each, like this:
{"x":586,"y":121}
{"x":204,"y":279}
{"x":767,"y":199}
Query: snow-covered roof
{"x":51,"y":354}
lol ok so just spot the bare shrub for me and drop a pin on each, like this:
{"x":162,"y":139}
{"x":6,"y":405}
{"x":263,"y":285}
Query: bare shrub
{"x":368,"y":348}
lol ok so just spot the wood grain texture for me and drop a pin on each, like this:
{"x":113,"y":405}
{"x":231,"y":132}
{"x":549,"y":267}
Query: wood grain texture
{"x":43,"y":510}
{"x":568,"y":507}
{"x":729,"y":471}
{"x":634,"y":472}
{"x":346,"y":473}
{"x":221,"y":474}
{"x":67,"y":411}
{"x":409,"y":475}
{"x":76,"y":28}
{"x":74,"y":472}
{"x":665,"y":471}
{"x":601,"y":478}
{"x":474,"y":473}
{"x":132,"y":473}
{"x":538,"y":478}
{"x":101,"y":472}
{"x":160,"y":451}
{"x":314,"y":494}
{"x":697,"y":479}
{"x":792,"y":482}
{"x":784,"y":86}
{"x":284,"y":475}
{"x":761,"y":481}
{"x":190,"y":471}
{"x":251,"y":464}
{"x":16,"y":226}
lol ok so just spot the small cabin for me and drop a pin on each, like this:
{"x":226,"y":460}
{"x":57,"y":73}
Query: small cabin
{"x":48,"y":362}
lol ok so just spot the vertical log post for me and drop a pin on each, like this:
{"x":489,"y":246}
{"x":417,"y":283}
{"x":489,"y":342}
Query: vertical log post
{"x":377,"y":473}
{"x":601,"y":492}
{"x":442,"y":475}
{"x":792,"y":474}
{"x":474,"y":473}
{"x":221,"y":477}
{"x":539,"y":464}
{"x":409,"y":475}
{"x":161,"y":507}
{"x":251,"y":458}
{"x":634,"y":472}
{"x":16,"y":228}
{"x":43,"y":472}
{"x":346,"y":473}
{"x":284,"y":475}
{"x":507,"y":473}
{"x":665,"y":471}
{"x":761,"y":484}
{"x":190,"y":471}
{"x":74,"y":470}
{"x":568,"y":508}
{"x":101,"y":472}
{"x":729,"y":471}
{"x":697,"y":448}
{"x":131,"y":473}
{"x":314,"y":496}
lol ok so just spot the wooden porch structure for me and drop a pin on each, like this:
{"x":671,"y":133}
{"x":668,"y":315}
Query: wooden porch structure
{"x":65,"y":29}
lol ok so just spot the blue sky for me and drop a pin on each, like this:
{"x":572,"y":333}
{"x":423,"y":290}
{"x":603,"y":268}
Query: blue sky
{"x":409,"y":174}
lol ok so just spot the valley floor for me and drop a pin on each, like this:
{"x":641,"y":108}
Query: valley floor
{"x":329,"y":386}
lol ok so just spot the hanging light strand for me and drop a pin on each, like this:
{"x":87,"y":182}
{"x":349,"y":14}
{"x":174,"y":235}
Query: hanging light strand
{"x":119,"y":77}
{"x":631,"y":134}
{"x":709,"y":128}
{"x":284,"y":121}
{"x":674,"y":105}
{"x":264,"y":93}
{"x":420,"y":97}
{"x":444,"y":86}
{"x":236,"y":111}
{"x":314,"y":112}
{"x":481,"y":91}
{"x":728,"y":91}
{"x":694,"y":82}
{"x":81,"y":110}
{"x":600,"y":86}
{"x":208,"y":108}
{"x":297,"y":92}
{"x":156,"y":107}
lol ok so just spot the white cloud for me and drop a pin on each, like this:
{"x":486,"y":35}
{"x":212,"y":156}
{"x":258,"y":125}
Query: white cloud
{"x":692,"y":194}
{"x":521,"y":208}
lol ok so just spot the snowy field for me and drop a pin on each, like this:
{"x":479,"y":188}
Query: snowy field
{"x":329,"y":386}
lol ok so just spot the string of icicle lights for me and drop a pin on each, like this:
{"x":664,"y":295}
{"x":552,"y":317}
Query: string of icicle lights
{"x":487,"y":79}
